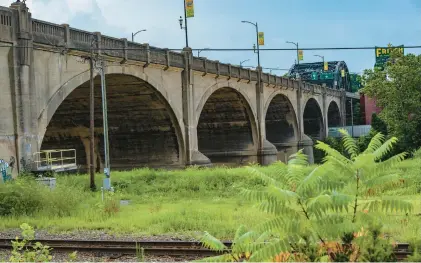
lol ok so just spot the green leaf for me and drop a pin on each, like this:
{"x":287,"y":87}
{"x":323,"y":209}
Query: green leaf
{"x":212,"y":242}
{"x":349,"y":143}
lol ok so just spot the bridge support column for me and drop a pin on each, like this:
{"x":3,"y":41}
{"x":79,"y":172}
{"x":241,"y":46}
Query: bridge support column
{"x":193,"y":156}
{"x":325,"y":113}
{"x":343,"y":108}
{"x":267,"y":152}
{"x":24,"y":95}
{"x":307,"y":145}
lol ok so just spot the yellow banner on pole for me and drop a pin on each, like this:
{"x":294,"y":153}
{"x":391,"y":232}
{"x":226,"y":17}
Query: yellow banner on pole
{"x":342,"y":73}
{"x":261,"y":37}
{"x":325,"y":66}
{"x":189,"y":8}
{"x":300,"y":55}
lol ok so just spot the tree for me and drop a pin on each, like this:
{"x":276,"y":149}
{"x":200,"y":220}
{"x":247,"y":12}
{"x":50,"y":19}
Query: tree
{"x":378,"y":125}
{"x":397,"y":89}
{"x":316,"y":205}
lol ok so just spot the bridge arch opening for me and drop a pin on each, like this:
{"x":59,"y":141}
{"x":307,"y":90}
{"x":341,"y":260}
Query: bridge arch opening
{"x":143,"y":130}
{"x":226,"y":128}
{"x":313,"y":120}
{"x":281,"y":121}
{"x":333,"y":115}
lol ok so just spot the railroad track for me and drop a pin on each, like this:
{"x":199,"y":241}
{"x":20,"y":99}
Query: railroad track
{"x":156,"y":248}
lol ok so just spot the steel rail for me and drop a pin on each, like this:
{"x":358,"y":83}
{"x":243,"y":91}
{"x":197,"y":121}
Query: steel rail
{"x":156,"y":248}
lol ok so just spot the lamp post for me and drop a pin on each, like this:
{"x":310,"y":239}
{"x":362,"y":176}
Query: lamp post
{"x":134,"y":34}
{"x":296,"y":44}
{"x":180,"y":20}
{"x":322,"y":57}
{"x":257,"y":40}
{"x":241,"y":62}
{"x":200,"y":50}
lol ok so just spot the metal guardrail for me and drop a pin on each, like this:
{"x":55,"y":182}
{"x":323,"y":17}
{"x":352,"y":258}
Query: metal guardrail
{"x":55,"y":160}
{"x":354,"y":131}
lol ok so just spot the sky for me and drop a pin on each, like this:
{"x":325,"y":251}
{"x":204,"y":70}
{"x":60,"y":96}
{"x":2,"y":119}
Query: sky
{"x":217,"y":24}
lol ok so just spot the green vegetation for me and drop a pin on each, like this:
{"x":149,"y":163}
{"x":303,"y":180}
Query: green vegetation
{"x":24,"y":252}
{"x":188,"y":202}
{"x":397,"y":91}
{"x":314,"y":207}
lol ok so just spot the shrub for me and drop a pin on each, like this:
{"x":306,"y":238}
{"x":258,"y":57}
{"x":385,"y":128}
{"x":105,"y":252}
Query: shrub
{"x":19,"y":198}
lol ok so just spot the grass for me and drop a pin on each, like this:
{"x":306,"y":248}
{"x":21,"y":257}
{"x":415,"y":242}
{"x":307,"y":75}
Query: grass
{"x":177,"y":203}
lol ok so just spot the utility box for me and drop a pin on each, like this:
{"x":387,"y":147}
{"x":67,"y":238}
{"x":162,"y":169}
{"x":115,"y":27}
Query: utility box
{"x":47,"y":181}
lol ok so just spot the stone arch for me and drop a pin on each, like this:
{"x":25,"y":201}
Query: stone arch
{"x":313,"y":119}
{"x":212,"y":89}
{"x":280,"y":120}
{"x":143,"y":127}
{"x":333,"y":115}
{"x":67,"y":87}
{"x":226,"y":127}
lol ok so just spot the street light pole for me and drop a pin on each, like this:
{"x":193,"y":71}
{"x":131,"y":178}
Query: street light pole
{"x":134,"y":34}
{"x":185,"y":24}
{"x":296,"y":44}
{"x":322,"y":57}
{"x":200,"y":50}
{"x":241,"y":62}
{"x":257,"y":40}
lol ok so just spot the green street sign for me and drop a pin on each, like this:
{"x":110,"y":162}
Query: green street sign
{"x":314,"y":76}
{"x":327,"y":75}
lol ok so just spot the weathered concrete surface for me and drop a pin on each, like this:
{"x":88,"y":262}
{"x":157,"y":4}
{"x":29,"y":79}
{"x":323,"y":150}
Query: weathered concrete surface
{"x":7,"y":104}
{"x":224,"y":130}
{"x":141,"y":130}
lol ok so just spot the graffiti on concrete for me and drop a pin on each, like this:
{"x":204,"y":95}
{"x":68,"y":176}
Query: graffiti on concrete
{"x":6,"y":169}
{"x":25,"y":165}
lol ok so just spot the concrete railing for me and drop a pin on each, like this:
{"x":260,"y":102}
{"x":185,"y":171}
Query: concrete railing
{"x":6,"y":24}
{"x":62,"y":35}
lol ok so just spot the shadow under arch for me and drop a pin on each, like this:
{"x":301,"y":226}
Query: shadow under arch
{"x":226,"y":129}
{"x":313,"y":120}
{"x":333,"y":115}
{"x":143,"y":128}
{"x":281,"y":126}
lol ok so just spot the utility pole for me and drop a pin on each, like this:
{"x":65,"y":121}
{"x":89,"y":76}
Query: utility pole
{"x":92,"y":116}
{"x":107,"y":180}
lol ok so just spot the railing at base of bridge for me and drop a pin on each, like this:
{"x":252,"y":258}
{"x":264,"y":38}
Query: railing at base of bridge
{"x":55,"y":160}
{"x":354,"y":131}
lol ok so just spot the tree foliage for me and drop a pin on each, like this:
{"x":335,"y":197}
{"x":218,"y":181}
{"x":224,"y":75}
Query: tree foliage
{"x":397,"y":90}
